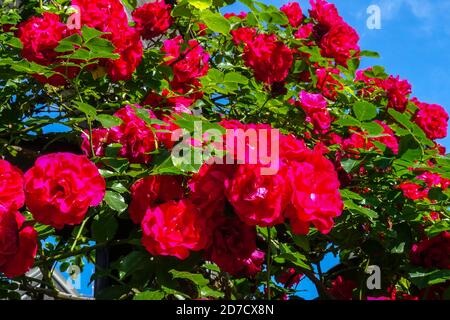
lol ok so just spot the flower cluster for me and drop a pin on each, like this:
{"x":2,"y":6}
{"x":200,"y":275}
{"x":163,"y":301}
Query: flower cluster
{"x":269,"y":58}
{"x":109,"y":16}
{"x":427,"y":181}
{"x":432,"y":118}
{"x":40,"y":36}
{"x":152,"y":19}
{"x":136,"y":137}
{"x":57,"y":190}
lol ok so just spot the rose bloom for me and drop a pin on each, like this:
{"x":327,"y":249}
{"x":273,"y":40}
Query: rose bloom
{"x":289,"y":277}
{"x":326,"y":16}
{"x":168,"y":102}
{"x":432,"y":253}
{"x":327,"y":82}
{"x":413,"y":191}
{"x":315,"y":107}
{"x":208,"y":188}
{"x":243,"y":35}
{"x":433,"y":119}
{"x":241,"y":15}
{"x":395,"y":89}
{"x":187,"y":65}
{"x":40,"y":36}
{"x":315,"y":191}
{"x":110,"y":16}
{"x":258,"y":199}
{"x":152,"y":19}
{"x":342,"y":289}
{"x":269,"y":58}
{"x":294,"y":13}
{"x":233,"y":248}
{"x":18,"y":244}
{"x":340,"y":43}
{"x":129,"y":46}
{"x":149,"y":191}
{"x":12,"y":196}
{"x":304,"y":32}
{"x":174,"y":229}
{"x":61,"y":187}
{"x":135,"y":135}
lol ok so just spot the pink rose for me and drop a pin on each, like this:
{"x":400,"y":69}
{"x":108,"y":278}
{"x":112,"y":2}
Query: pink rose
{"x":60,"y":188}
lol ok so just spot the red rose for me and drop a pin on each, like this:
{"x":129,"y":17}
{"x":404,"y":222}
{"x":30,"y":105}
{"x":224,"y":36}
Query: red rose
{"x":315,"y":107}
{"x":60,"y":188}
{"x":129,"y":46}
{"x":243,"y":35}
{"x":148,"y":191}
{"x":397,"y":92}
{"x":102,"y":14}
{"x":110,"y":16}
{"x":171,"y":101}
{"x":433,"y":119}
{"x":315,"y":193}
{"x":413,"y":191}
{"x":208,"y":188}
{"x":432,"y":253}
{"x":152,"y":19}
{"x":294,"y":13}
{"x":304,"y":32}
{"x":40,"y":36}
{"x":289,"y":277}
{"x":342,"y":289}
{"x":326,"y":16}
{"x":135,"y":135}
{"x":258,"y":199}
{"x":339,"y":42}
{"x":233,"y":248}
{"x":328,"y":83}
{"x":187,"y":65}
{"x":18,"y":244}
{"x":174,"y":229}
{"x":395,"y":89}
{"x":241,"y":15}
{"x":12,"y":196}
{"x":269,"y":58}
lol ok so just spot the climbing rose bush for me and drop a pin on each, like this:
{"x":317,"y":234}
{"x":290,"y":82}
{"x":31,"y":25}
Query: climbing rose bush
{"x":214,"y":155}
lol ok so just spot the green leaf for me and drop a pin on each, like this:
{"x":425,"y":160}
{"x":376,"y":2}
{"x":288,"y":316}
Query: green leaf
{"x":347,"y":121}
{"x":198,"y":279}
{"x":90,"y":33}
{"x":235,"y":77}
{"x":109,"y":121}
{"x":370,"y":54}
{"x":374,"y":129}
{"x":115,"y":201}
{"x":423,"y":278}
{"x":353,"y":207}
{"x":87,"y":109}
{"x":130,"y":4}
{"x":150,"y":295}
{"x":200,"y":4}
{"x":133,"y":262}
{"x":207,"y":292}
{"x":104,"y":227}
{"x":215,"y":21}
{"x":364,"y":111}
{"x":350,"y":165}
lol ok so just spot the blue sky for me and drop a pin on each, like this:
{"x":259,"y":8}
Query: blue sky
{"x":414,"y":43}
